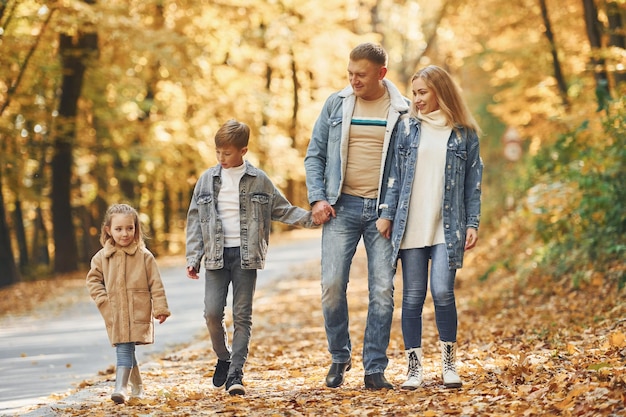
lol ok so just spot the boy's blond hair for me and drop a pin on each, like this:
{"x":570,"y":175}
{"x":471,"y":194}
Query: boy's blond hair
{"x":232,"y":133}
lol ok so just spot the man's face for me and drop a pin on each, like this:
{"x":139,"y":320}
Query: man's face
{"x":365,"y":77}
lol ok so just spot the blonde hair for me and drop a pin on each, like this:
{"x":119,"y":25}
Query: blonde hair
{"x":449,"y":97}
{"x":124,"y":209}
{"x":233,"y":133}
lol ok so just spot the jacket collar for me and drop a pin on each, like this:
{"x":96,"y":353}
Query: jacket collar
{"x":111,"y":248}
{"x":397,"y":101}
{"x":216,"y":171}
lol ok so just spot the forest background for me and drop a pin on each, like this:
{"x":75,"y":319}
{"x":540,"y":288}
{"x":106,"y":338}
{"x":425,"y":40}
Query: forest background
{"x":118,"y":101}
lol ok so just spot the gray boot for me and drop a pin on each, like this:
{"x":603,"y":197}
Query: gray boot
{"x":136,"y":386}
{"x":450,"y":377}
{"x":121,"y":382}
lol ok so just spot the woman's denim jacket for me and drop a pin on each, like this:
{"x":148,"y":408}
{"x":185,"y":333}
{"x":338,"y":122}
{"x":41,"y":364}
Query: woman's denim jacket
{"x":260,"y":203}
{"x":461,"y":197}
{"x":327,"y":154}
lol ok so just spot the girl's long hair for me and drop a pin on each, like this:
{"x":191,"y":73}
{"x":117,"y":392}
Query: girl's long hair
{"x":449,"y":97}
{"x":121,"y":209}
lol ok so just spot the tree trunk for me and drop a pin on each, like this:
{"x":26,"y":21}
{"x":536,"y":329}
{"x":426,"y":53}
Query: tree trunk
{"x":556,"y":64}
{"x":18,"y":226}
{"x":616,"y":35}
{"x":598,"y":66}
{"x":73,"y":51}
{"x":10,"y":274}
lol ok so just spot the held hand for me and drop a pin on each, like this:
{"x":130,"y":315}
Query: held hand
{"x":161,"y":318}
{"x":471,"y":238}
{"x":322,"y":212}
{"x":384,"y":227}
{"x":192,"y":273}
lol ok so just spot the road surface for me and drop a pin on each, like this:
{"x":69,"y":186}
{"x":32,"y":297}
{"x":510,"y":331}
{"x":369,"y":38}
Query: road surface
{"x":52,"y":350}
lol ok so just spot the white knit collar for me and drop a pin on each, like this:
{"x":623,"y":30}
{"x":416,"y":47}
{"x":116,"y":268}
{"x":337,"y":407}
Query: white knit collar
{"x":435,"y":119}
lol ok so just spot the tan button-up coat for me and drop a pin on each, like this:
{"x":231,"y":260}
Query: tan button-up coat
{"x":126,"y":285}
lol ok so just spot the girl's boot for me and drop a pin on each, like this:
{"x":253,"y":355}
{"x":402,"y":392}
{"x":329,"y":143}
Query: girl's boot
{"x":450,"y":377}
{"x":415,"y":374}
{"x":121,"y":381}
{"x":136,"y":386}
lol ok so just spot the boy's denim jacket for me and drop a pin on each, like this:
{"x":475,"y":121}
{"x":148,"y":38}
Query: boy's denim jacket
{"x":326,"y":156}
{"x":462,"y":182}
{"x":260,"y":203}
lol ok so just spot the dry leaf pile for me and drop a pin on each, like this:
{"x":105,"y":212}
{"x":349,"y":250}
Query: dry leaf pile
{"x":522,"y":352}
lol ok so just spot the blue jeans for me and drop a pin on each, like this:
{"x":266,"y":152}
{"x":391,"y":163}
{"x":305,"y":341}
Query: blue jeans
{"x":125,"y":353}
{"x":215,"y":292}
{"x":415,"y":284}
{"x":356,"y":218}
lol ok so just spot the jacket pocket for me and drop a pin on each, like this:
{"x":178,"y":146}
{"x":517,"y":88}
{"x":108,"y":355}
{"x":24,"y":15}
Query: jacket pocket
{"x":141,"y":308}
{"x":260,"y":207}
{"x":204,"y":202}
{"x":334,"y":129}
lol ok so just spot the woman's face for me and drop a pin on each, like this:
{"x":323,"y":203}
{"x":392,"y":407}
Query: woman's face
{"x":424,"y":99}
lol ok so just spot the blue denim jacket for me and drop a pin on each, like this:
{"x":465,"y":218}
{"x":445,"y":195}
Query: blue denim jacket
{"x":326,"y":157}
{"x":461,"y":197}
{"x":260,"y":203}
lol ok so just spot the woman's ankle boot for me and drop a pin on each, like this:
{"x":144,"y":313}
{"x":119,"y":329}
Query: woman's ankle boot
{"x":450,"y":377}
{"x":415,"y":374}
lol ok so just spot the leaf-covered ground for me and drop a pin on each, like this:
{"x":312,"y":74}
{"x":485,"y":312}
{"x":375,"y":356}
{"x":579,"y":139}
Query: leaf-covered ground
{"x":526,"y":348}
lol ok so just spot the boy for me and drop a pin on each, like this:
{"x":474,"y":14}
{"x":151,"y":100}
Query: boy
{"x":228,"y":223}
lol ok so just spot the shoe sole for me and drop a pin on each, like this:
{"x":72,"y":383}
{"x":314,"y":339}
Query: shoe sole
{"x":453,"y":385}
{"x":236,"y":389}
{"x":118,"y":398}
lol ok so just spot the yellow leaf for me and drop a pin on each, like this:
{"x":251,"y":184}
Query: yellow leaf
{"x":617,"y":339}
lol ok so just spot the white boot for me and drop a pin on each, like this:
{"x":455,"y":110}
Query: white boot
{"x":415,"y":374}
{"x":136,"y":386}
{"x":450,"y":377}
{"x":121,"y":381}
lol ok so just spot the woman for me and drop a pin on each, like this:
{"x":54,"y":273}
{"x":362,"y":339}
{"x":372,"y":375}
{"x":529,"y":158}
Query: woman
{"x":432,"y":210}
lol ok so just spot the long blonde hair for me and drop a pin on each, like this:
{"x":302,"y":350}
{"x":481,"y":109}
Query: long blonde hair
{"x":121,"y":209}
{"x":449,"y":97}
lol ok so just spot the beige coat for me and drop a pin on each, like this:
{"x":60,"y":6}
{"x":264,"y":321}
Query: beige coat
{"x":126,"y":285}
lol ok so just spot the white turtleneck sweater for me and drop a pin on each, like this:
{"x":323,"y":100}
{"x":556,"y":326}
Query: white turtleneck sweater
{"x":425,"y":221}
{"x":228,"y":205}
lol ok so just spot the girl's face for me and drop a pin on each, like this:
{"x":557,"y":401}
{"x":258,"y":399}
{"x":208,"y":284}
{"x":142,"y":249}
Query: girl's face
{"x":424,"y":99}
{"x":122,"y":229}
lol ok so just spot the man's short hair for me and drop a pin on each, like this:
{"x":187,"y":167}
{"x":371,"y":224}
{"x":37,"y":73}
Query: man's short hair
{"x":233,"y":133}
{"x":372,"y":52}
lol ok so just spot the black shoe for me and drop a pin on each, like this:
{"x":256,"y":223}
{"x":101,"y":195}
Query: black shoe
{"x":234,"y":383}
{"x":336,"y":373}
{"x":377,"y":381}
{"x":220,"y":374}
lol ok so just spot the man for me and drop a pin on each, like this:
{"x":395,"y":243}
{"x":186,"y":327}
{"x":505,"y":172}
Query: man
{"x":345,"y":177}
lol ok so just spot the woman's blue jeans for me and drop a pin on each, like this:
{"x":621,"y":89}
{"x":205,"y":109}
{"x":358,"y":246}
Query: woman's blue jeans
{"x":125,"y":353}
{"x":356,"y":218}
{"x":215,"y":292}
{"x":415,"y":284}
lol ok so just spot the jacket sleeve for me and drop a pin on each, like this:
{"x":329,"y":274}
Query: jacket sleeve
{"x":473,"y":180}
{"x":95,"y":280}
{"x":157,"y":291}
{"x":194,"y":242}
{"x":284,"y":212}
{"x":316,"y":155}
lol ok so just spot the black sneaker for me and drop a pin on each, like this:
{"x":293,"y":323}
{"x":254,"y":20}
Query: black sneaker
{"x":234,"y":383}
{"x":220,"y":374}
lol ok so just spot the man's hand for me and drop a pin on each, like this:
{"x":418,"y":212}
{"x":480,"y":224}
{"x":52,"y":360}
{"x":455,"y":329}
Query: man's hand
{"x":192,"y":273}
{"x":384,"y":227}
{"x":322,"y":212}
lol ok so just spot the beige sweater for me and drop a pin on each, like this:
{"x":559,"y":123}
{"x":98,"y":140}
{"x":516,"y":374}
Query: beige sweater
{"x":425,"y":221}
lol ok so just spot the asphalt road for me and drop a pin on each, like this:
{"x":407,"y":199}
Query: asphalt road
{"x":53,"y":349}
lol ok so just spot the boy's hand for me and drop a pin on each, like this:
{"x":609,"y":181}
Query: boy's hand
{"x":192,"y":273}
{"x":161,"y":318}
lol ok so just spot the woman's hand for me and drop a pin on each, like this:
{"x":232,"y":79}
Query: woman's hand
{"x":471,"y":237}
{"x":384,"y":227}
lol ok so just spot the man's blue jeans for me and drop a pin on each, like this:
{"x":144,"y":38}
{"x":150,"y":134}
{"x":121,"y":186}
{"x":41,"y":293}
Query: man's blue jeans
{"x":415,"y":284}
{"x":215,"y":292}
{"x":356,"y":218}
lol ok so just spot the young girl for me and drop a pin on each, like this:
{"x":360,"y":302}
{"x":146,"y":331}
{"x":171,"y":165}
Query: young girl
{"x":125,"y":283}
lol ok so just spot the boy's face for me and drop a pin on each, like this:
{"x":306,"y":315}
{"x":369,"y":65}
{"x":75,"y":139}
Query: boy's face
{"x":230,"y":156}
